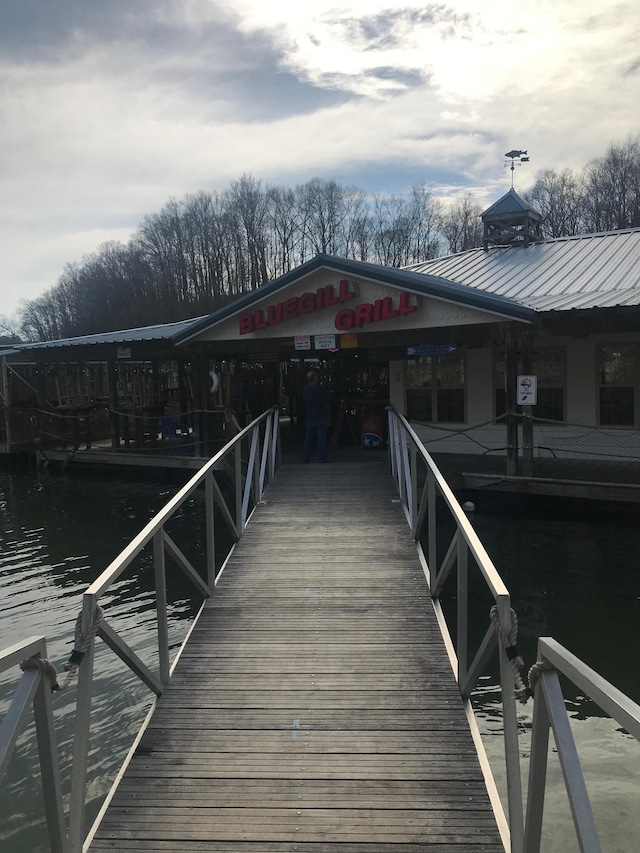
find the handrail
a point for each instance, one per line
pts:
(252, 471)
(34, 690)
(406, 453)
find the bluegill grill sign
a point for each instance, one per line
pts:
(325, 297)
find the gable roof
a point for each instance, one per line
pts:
(507, 204)
(586, 271)
(427, 284)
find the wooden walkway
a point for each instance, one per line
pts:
(314, 708)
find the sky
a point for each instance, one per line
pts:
(108, 108)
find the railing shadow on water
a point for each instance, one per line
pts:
(248, 463)
(426, 498)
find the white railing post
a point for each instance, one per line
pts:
(160, 571)
(49, 767)
(537, 773)
(82, 733)
(238, 486)
(413, 478)
(462, 604)
(510, 721)
(431, 523)
(210, 530)
(391, 429)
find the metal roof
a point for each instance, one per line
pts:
(425, 284)
(166, 331)
(587, 271)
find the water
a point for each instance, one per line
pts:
(57, 533)
(574, 578)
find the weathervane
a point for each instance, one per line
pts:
(517, 159)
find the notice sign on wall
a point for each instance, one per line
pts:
(527, 390)
(325, 341)
(349, 341)
(303, 342)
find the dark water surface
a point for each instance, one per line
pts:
(571, 577)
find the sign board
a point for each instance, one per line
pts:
(527, 390)
(349, 341)
(303, 342)
(325, 341)
(123, 352)
(432, 349)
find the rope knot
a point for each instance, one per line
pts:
(534, 672)
(81, 645)
(47, 669)
(508, 640)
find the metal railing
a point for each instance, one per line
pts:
(420, 485)
(33, 691)
(250, 459)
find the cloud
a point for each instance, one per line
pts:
(109, 108)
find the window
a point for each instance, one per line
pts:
(549, 367)
(435, 388)
(618, 380)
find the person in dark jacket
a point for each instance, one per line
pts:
(316, 403)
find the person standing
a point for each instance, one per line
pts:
(316, 404)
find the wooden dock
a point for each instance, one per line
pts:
(314, 708)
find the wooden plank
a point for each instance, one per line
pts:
(314, 707)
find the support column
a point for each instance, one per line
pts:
(527, 411)
(112, 374)
(511, 374)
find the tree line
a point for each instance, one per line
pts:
(199, 252)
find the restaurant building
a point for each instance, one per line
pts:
(525, 348)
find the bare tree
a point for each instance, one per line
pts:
(612, 188)
(462, 225)
(558, 197)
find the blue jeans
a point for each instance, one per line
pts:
(317, 430)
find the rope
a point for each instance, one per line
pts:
(45, 666)
(80, 646)
(522, 692)
(538, 667)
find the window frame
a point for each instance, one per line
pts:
(633, 385)
(434, 388)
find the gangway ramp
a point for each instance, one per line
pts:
(314, 707)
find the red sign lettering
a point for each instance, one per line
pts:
(325, 297)
(365, 313)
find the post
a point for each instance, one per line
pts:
(112, 379)
(82, 732)
(462, 645)
(159, 565)
(431, 524)
(49, 766)
(7, 402)
(210, 527)
(510, 722)
(413, 477)
(511, 376)
(527, 421)
(237, 453)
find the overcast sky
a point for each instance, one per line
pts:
(110, 107)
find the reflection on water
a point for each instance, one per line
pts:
(57, 533)
(576, 579)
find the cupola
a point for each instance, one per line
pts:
(510, 221)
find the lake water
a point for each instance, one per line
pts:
(571, 577)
